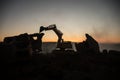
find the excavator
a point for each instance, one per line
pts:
(61, 44)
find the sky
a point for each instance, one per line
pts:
(99, 18)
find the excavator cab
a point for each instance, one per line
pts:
(66, 46)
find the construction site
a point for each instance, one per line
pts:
(24, 59)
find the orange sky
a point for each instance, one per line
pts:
(53, 38)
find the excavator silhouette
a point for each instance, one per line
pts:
(61, 44)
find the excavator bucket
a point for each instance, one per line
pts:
(41, 29)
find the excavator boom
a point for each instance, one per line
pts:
(54, 28)
(61, 45)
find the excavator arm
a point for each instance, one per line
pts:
(54, 28)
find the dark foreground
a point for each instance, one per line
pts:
(21, 60)
(63, 66)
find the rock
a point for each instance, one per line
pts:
(90, 45)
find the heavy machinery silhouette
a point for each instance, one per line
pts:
(61, 44)
(22, 45)
(89, 45)
(25, 44)
(58, 33)
(29, 44)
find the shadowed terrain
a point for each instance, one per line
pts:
(22, 59)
